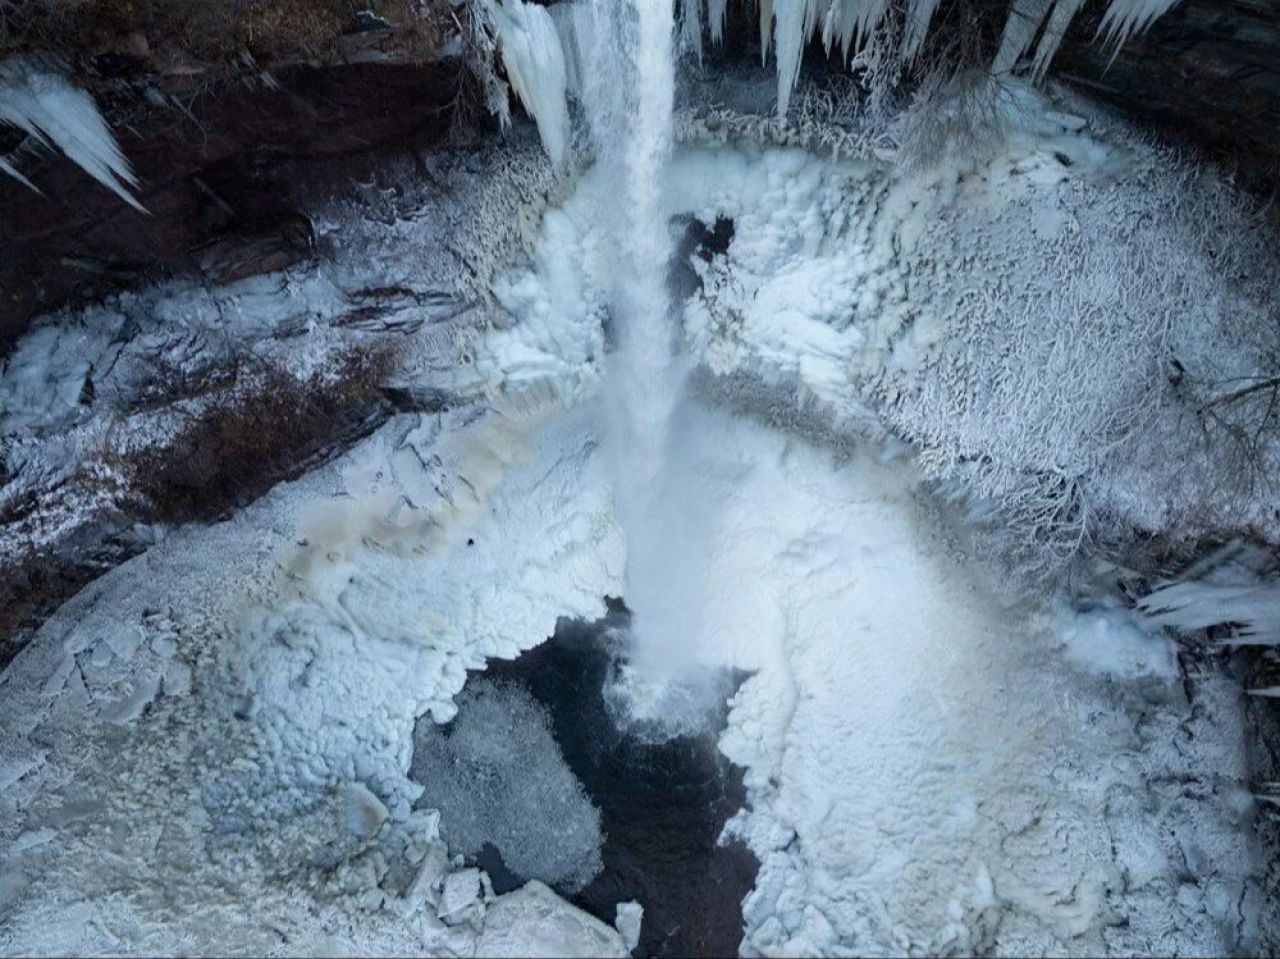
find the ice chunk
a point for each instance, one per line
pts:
(461, 899)
(497, 776)
(628, 920)
(362, 812)
(533, 922)
(1114, 642)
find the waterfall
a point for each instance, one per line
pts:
(629, 96)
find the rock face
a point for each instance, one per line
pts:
(1207, 72)
(223, 183)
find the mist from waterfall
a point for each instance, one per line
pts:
(629, 97)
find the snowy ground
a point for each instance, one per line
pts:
(240, 701)
(927, 770)
(208, 749)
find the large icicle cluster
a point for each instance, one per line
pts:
(541, 50)
(535, 62)
(49, 108)
(850, 23)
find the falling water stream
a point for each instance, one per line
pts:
(630, 107)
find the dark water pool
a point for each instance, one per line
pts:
(663, 804)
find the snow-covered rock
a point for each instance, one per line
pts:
(534, 922)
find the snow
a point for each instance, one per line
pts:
(921, 777)
(53, 111)
(1116, 642)
(209, 749)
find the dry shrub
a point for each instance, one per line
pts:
(259, 435)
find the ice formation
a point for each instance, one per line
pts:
(497, 777)
(535, 63)
(931, 766)
(845, 282)
(849, 24)
(257, 672)
(1235, 588)
(921, 775)
(50, 109)
(903, 816)
(787, 27)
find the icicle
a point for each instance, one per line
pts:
(1127, 18)
(535, 63)
(691, 27)
(13, 171)
(813, 12)
(838, 26)
(851, 23)
(766, 29)
(919, 16)
(1025, 17)
(1197, 605)
(48, 107)
(1064, 12)
(788, 39)
(848, 23)
(717, 11)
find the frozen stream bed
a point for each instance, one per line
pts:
(225, 745)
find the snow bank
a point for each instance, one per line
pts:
(923, 775)
(969, 307)
(233, 693)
